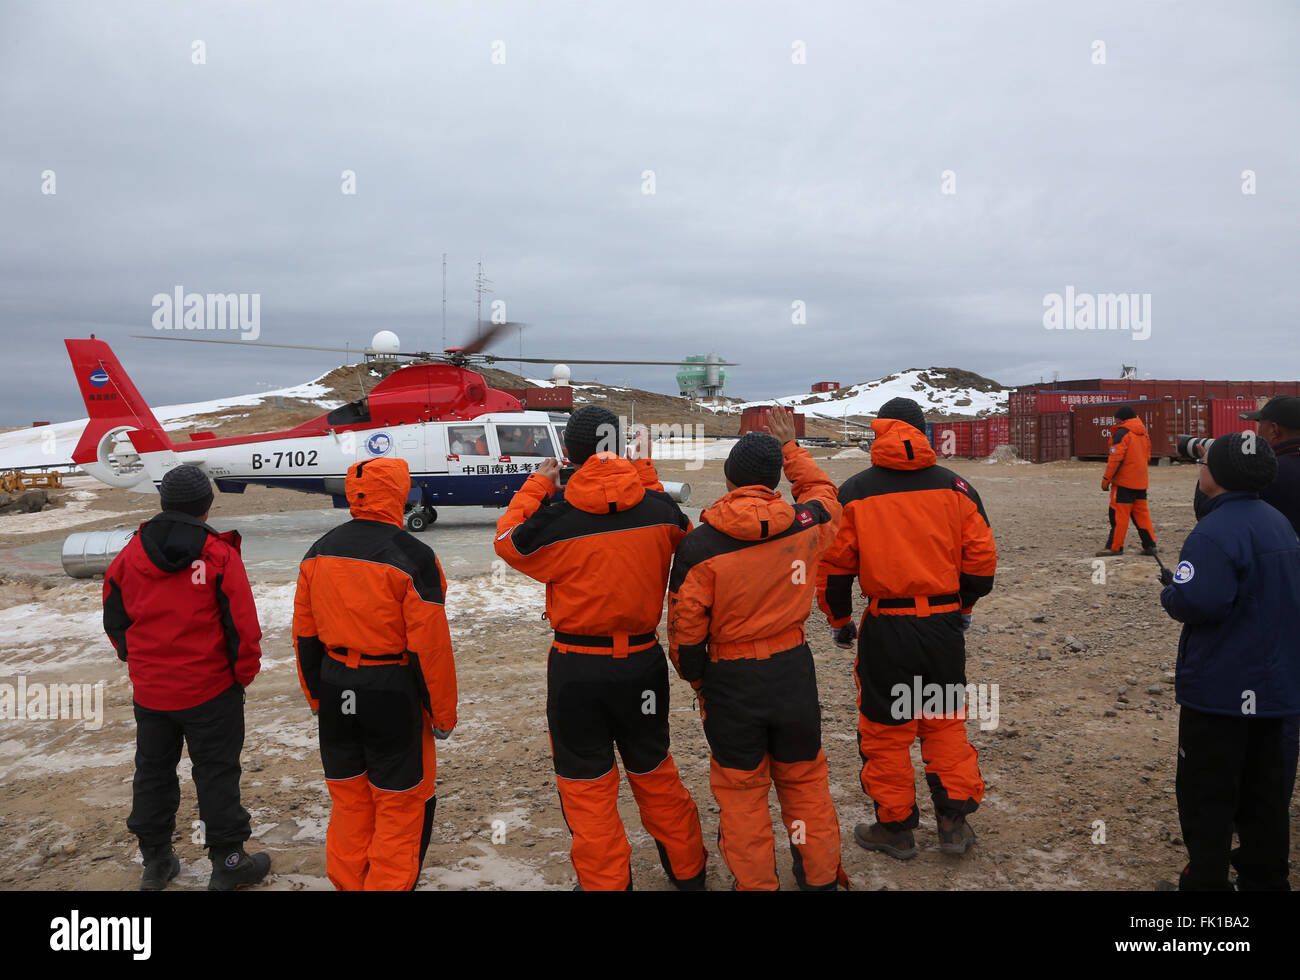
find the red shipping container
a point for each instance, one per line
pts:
(561, 396)
(1225, 415)
(952, 438)
(999, 431)
(1208, 389)
(752, 420)
(979, 438)
(1286, 388)
(1165, 421)
(1055, 437)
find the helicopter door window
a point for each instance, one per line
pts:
(467, 440)
(525, 440)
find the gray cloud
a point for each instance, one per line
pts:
(775, 182)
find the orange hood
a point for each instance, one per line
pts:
(1134, 425)
(377, 489)
(750, 514)
(605, 484)
(899, 446)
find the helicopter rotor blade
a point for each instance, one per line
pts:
(495, 330)
(257, 343)
(567, 360)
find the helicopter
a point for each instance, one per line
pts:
(467, 444)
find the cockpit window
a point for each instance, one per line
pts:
(352, 413)
(525, 440)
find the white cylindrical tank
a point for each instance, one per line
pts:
(89, 553)
(680, 492)
(561, 375)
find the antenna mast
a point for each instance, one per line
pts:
(482, 285)
(444, 300)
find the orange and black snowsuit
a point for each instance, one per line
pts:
(1126, 472)
(375, 660)
(741, 588)
(916, 537)
(603, 548)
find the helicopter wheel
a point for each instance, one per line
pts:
(418, 520)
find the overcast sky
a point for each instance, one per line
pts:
(520, 133)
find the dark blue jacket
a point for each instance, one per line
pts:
(1236, 590)
(1283, 493)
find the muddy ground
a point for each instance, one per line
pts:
(1080, 777)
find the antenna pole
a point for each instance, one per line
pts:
(444, 300)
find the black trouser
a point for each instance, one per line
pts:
(596, 701)
(754, 708)
(371, 722)
(214, 733)
(906, 651)
(1231, 769)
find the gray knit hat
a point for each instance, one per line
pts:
(1233, 468)
(755, 460)
(590, 430)
(904, 410)
(186, 489)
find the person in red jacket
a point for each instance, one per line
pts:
(179, 611)
(1126, 479)
(741, 587)
(375, 663)
(603, 546)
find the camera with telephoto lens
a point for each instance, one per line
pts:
(1194, 447)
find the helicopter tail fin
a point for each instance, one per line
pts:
(114, 405)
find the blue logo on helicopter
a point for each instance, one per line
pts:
(99, 378)
(379, 444)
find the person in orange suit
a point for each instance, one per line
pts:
(375, 662)
(603, 545)
(916, 537)
(1127, 480)
(738, 597)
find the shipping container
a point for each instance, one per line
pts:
(999, 431)
(952, 439)
(979, 438)
(1042, 438)
(752, 419)
(1225, 415)
(1165, 421)
(823, 386)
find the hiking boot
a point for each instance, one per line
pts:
(1107, 553)
(232, 868)
(161, 865)
(1149, 549)
(898, 844)
(955, 835)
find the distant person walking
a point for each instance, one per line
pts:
(1127, 480)
(179, 611)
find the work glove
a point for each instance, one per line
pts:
(439, 734)
(1166, 577)
(966, 621)
(844, 637)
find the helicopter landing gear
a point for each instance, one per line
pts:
(420, 519)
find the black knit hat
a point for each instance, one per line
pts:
(905, 410)
(1235, 468)
(186, 489)
(755, 460)
(1124, 413)
(590, 430)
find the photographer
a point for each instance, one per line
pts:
(1238, 671)
(1279, 426)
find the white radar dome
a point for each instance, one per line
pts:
(385, 342)
(561, 374)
